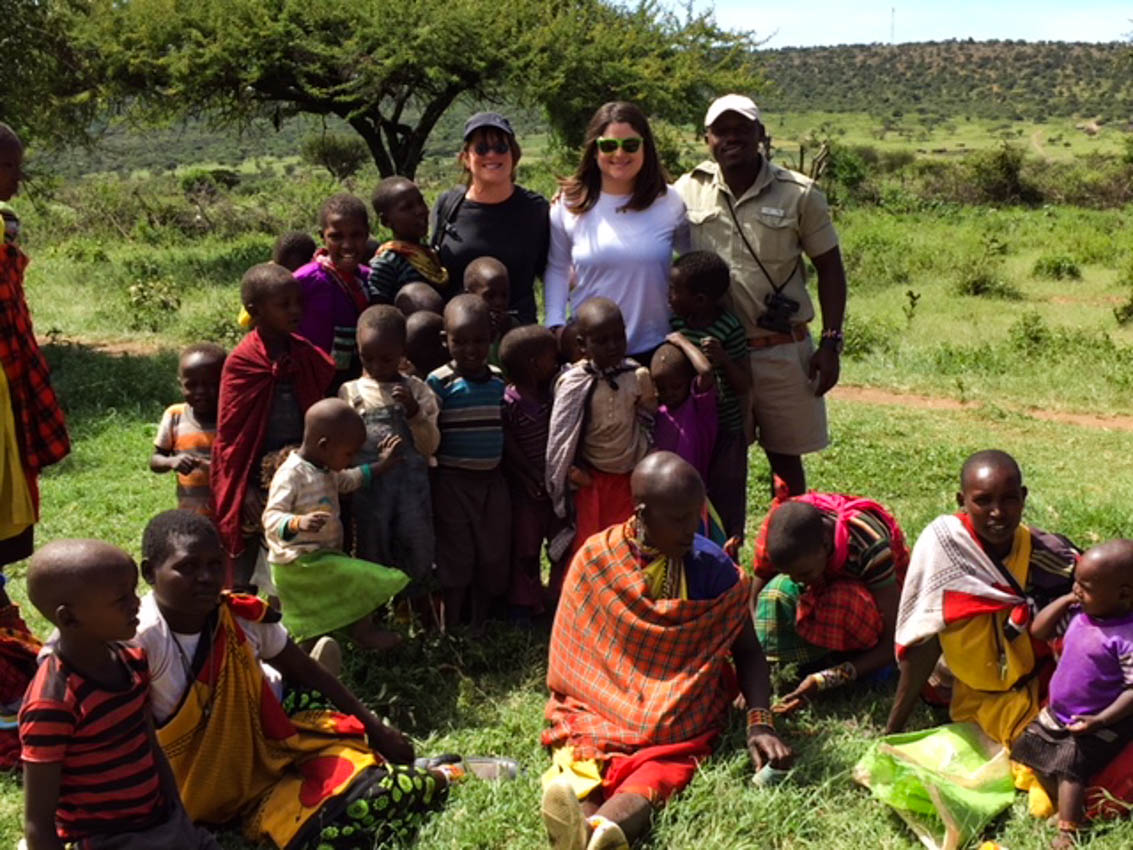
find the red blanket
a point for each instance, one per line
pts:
(247, 386)
(626, 671)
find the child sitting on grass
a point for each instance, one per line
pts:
(1089, 718)
(393, 517)
(697, 283)
(487, 278)
(601, 426)
(293, 249)
(321, 588)
(471, 505)
(530, 360)
(686, 392)
(335, 285)
(187, 430)
(424, 343)
(416, 297)
(93, 772)
(407, 257)
(267, 383)
(261, 742)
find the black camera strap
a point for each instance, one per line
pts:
(755, 256)
(445, 218)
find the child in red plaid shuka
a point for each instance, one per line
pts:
(828, 575)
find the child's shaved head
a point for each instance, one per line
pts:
(989, 459)
(424, 342)
(669, 360)
(262, 279)
(9, 139)
(202, 352)
(64, 572)
(596, 311)
(332, 418)
(794, 530)
(415, 297)
(387, 191)
(381, 320)
(481, 272)
(521, 346)
(465, 310)
(293, 249)
(1103, 579)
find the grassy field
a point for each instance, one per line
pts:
(120, 279)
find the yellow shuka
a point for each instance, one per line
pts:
(234, 752)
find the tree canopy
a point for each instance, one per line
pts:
(391, 68)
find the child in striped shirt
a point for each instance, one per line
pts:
(698, 282)
(471, 505)
(93, 772)
(187, 430)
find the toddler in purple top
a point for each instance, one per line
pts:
(1090, 715)
(686, 420)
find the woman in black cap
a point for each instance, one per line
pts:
(493, 216)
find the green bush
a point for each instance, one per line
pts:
(154, 303)
(1056, 267)
(982, 282)
(996, 176)
(342, 155)
(1029, 334)
(862, 338)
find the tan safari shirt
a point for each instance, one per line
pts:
(783, 214)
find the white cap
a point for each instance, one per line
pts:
(742, 104)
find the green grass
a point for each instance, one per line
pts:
(488, 696)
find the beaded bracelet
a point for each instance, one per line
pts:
(760, 717)
(835, 677)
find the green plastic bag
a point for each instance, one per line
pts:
(946, 783)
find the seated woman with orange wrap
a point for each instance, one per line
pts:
(639, 673)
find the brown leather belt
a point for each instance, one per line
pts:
(798, 334)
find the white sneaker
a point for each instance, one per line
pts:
(608, 835)
(328, 654)
(566, 827)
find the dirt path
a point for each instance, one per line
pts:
(133, 347)
(877, 396)
(1037, 144)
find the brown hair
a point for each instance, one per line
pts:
(581, 190)
(491, 135)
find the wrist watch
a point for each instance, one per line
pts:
(834, 338)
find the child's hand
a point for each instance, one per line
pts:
(313, 521)
(186, 463)
(1085, 723)
(392, 744)
(403, 396)
(714, 350)
(387, 453)
(579, 477)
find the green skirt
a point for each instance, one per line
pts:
(327, 590)
(775, 614)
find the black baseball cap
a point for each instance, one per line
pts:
(487, 119)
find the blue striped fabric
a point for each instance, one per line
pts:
(470, 420)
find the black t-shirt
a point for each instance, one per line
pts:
(516, 232)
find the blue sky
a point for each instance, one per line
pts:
(814, 22)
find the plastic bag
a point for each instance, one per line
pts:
(946, 783)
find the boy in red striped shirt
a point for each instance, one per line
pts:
(93, 773)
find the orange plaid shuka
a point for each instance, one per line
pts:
(626, 671)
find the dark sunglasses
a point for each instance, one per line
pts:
(629, 145)
(483, 148)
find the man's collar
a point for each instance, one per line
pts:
(762, 179)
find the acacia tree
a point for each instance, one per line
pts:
(391, 68)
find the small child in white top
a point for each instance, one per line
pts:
(320, 587)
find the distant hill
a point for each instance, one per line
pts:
(1009, 80)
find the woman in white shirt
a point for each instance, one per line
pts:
(614, 228)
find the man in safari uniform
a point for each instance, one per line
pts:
(761, 218)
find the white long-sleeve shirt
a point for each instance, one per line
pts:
(299, 487)
(624, 256)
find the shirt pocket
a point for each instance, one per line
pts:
(775, 237)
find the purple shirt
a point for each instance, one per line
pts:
(325, 305)
(1095, 667)
(690, 430)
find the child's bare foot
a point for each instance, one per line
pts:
(367, 635)
(1067, 839)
